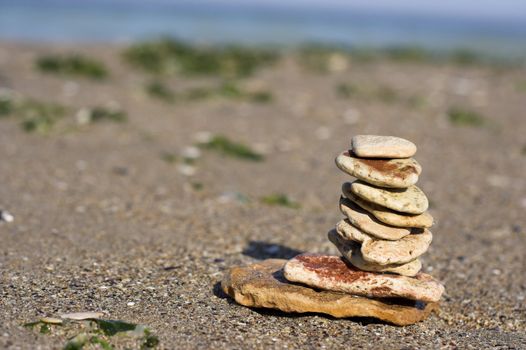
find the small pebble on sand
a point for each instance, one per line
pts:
(6, 216)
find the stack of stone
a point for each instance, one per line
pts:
(386, 226)
(381, 239)
(387, 218)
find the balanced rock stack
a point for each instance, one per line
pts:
(387, 223)
(381, 239)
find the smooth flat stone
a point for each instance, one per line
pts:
(262, 285)
(373, 146)
(351, 251)
(332, 273)
(396, 173)
(79, 316)
(51, 320)
(384, 252)
(411, 200)
(350, 232)
(366, 222)
(388, 216)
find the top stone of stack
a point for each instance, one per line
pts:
(372, 146)
(383, 161)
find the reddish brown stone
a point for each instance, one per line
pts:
(313, 270)
(395, 173)
(327, 266)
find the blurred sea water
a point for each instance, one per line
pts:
(124, 21)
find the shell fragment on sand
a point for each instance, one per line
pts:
(328, 272)
(385, 252)
(351, 251)
(395, 173)
(386, 215)
(372, 146)
(79, 316)
(51, 320)
(263, 285)
(367, 223)
(411, 200)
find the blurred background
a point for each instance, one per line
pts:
(493, 28)
(153, 144)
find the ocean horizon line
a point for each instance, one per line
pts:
(118, 22)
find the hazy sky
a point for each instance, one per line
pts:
(492, 9)
(470, 8)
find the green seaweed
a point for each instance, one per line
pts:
(407, 54)
(150, 340)
(169, 56)
(463, 117)
(347, 90)
(417, 102)
(34, 116)
(161, 91)
(519, 87)
(382, 93)
(105, 345)
(280, 199)
(6, 106)
(100, 333)
(199, 93)
(228, 90)
(77, 342)
(172, 158)
(97, 114)
(44, 329)
(169, 157)
(317, 57)
(41, 117)
(197, 186)
(74, 64)
(465, 57)
(386, 94)
(31, 325)
(225, 146)
(38, 117)
(261, 97)
(112, 327)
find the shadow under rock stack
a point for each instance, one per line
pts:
(384, 233)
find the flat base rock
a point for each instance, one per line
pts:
(262, 285)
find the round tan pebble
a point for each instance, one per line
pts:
(367, 223)
(351, 251)
(393, 173)
(373, 146)
(388, 216)
(384, 252)
(347, 231)
(411, 200)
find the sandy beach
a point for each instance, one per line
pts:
(129, 218)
